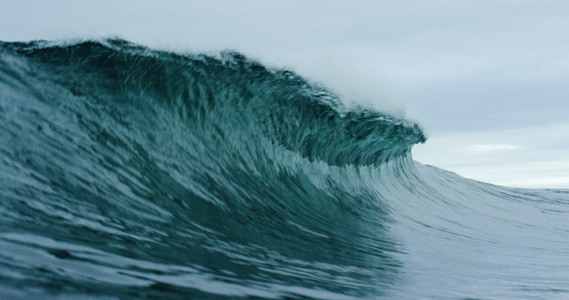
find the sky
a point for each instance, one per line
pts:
(487, 80)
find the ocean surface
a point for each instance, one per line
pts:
(127, 173)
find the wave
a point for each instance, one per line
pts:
(277, 104)
(135, 173)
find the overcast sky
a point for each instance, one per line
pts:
(488, 80)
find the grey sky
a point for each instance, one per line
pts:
(487, 79)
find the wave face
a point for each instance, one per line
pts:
(134, 173)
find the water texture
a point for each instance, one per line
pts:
(127, 172)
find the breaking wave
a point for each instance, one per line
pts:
(134, 173)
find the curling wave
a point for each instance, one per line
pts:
(134, 173)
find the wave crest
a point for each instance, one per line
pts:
(230, 93)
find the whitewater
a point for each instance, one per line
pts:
(128, 172)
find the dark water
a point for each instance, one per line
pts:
(133, 173)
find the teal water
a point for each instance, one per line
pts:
(128, 172)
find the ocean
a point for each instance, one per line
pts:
(128, 173)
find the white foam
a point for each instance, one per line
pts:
(356, 81)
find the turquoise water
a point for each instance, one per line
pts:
(134, 173)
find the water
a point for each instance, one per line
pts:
(133, 173)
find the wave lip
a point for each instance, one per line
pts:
(358, 138)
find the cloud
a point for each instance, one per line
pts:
(491, 147)
(524, 157)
